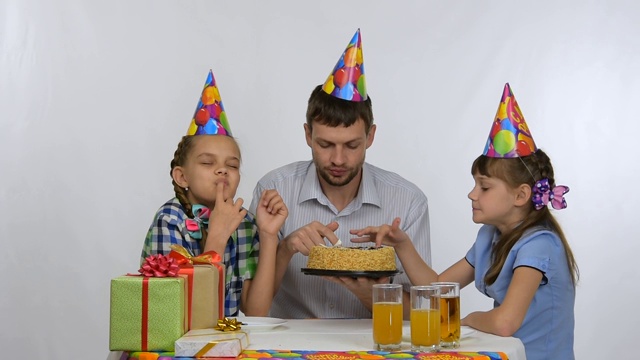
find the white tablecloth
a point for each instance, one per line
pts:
(345, 335)
(355, 334)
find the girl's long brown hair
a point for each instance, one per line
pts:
(515, 172)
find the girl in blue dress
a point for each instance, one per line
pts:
(521, 257)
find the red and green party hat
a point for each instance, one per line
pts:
(347, 80)
(510, 136)
(209, 117)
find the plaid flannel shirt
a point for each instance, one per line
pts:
(240, 255)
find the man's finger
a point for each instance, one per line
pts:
(327, 231)
(333, 226)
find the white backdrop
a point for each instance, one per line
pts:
(94, 97)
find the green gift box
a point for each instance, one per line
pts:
(147, 313)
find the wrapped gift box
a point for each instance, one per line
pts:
(205, 294)
(206, 285)
(211, 343)
(147, 313)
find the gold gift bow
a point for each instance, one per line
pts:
(182, 255)
(226, 324)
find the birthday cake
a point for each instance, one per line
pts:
(352, 258)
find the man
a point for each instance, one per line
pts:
(335, 193)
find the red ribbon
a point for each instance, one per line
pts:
(221, 283)
(189, 272)
(154, 266)
(145, 312)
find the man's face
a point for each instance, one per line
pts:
(339, 152)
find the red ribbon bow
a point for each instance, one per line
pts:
(159, 266)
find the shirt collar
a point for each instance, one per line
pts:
(367, 194)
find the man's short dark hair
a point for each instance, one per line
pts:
(332, 111)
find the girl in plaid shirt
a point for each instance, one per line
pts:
(204, 216)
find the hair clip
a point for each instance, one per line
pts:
(544, 194)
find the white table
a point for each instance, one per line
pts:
(355, 334)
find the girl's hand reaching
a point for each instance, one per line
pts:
(271, 212)
(417, 270)
(258, 292)
(385, 234)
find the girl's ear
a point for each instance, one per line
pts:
(178, 176)
(523, 195)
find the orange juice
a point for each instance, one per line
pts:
(387, 323)
(425, 327)
(450, 321)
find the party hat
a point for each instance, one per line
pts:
(210, 117)
(510, 136)
(347, 80)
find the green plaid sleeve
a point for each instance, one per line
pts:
(248, 248)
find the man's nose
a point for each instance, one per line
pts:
(338, 157)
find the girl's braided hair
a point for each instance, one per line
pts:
(179, 159)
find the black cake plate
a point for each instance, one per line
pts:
(353, 274)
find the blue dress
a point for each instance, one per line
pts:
(547, 329)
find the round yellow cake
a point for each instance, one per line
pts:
(352, 258)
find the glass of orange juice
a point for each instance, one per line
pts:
(450, 314)
(387, 316)
(425, 318)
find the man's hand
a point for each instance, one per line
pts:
(308, 236)
(361, 287)
(271, 212)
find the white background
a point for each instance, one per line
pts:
(95, 95)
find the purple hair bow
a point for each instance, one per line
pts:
(201, 219)
(543, 194)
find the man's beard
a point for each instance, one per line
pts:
(343, 180)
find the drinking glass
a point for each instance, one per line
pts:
(425, 318)
(387, 316)
(449, 314)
